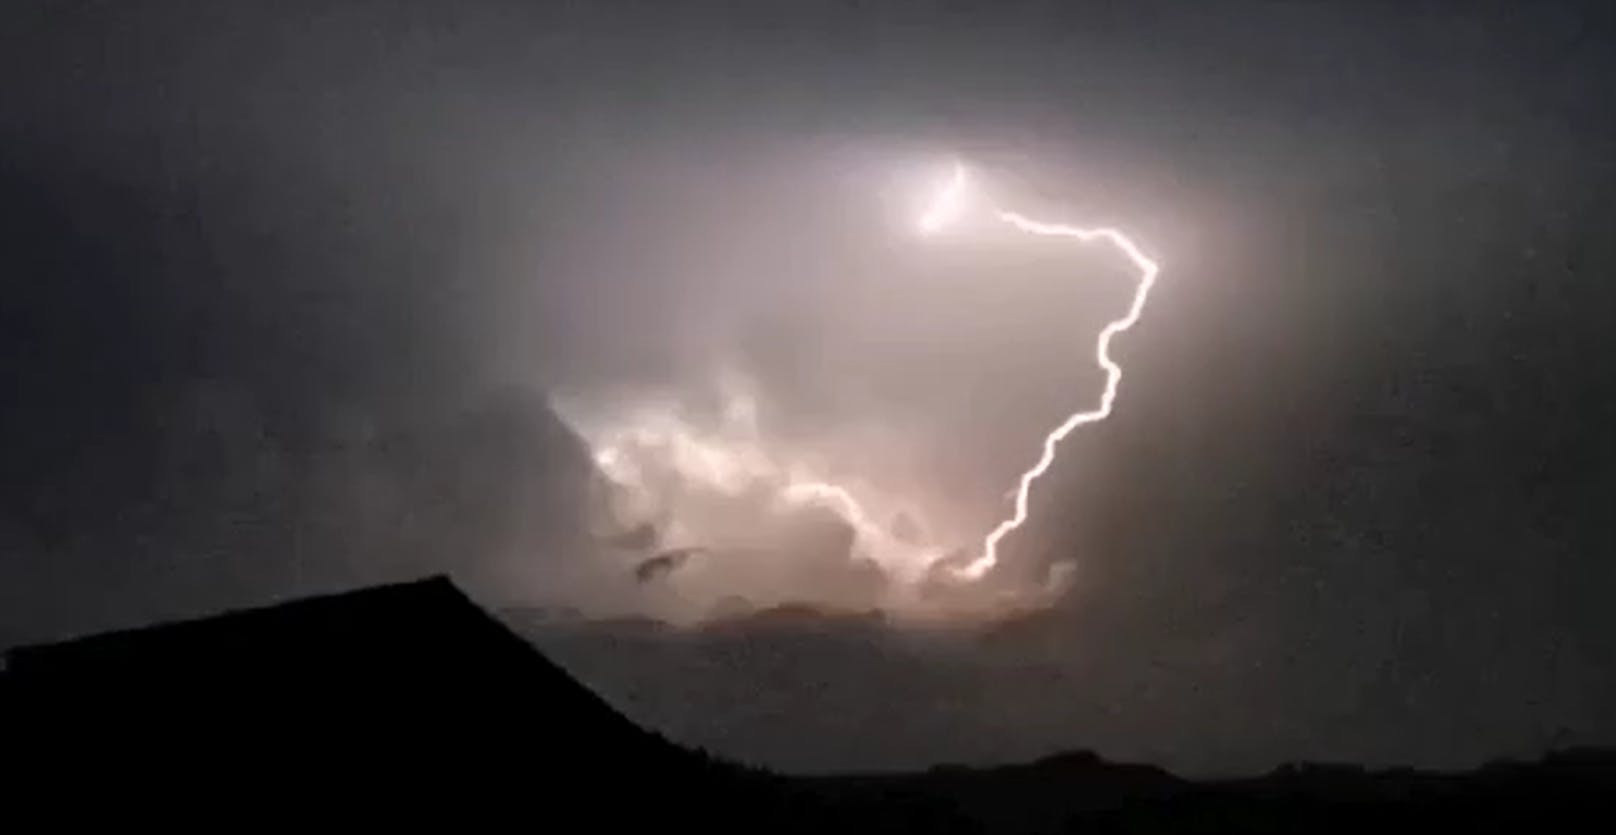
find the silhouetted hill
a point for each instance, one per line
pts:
(405, 688)
(409, 703)
(1567, 791)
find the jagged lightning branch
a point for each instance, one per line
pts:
(948, 205)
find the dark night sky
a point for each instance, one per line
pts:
(284, 290)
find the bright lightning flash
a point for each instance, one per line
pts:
(948, 205)
(732, 462)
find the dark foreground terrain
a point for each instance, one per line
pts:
(409, 704)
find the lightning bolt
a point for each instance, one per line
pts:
(1148, 270)
(948, 205)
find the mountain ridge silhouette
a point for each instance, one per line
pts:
(409, 702)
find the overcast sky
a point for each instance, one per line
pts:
(287, 294)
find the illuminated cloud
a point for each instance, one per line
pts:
(724, 487)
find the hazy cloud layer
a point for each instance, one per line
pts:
(287, 295)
